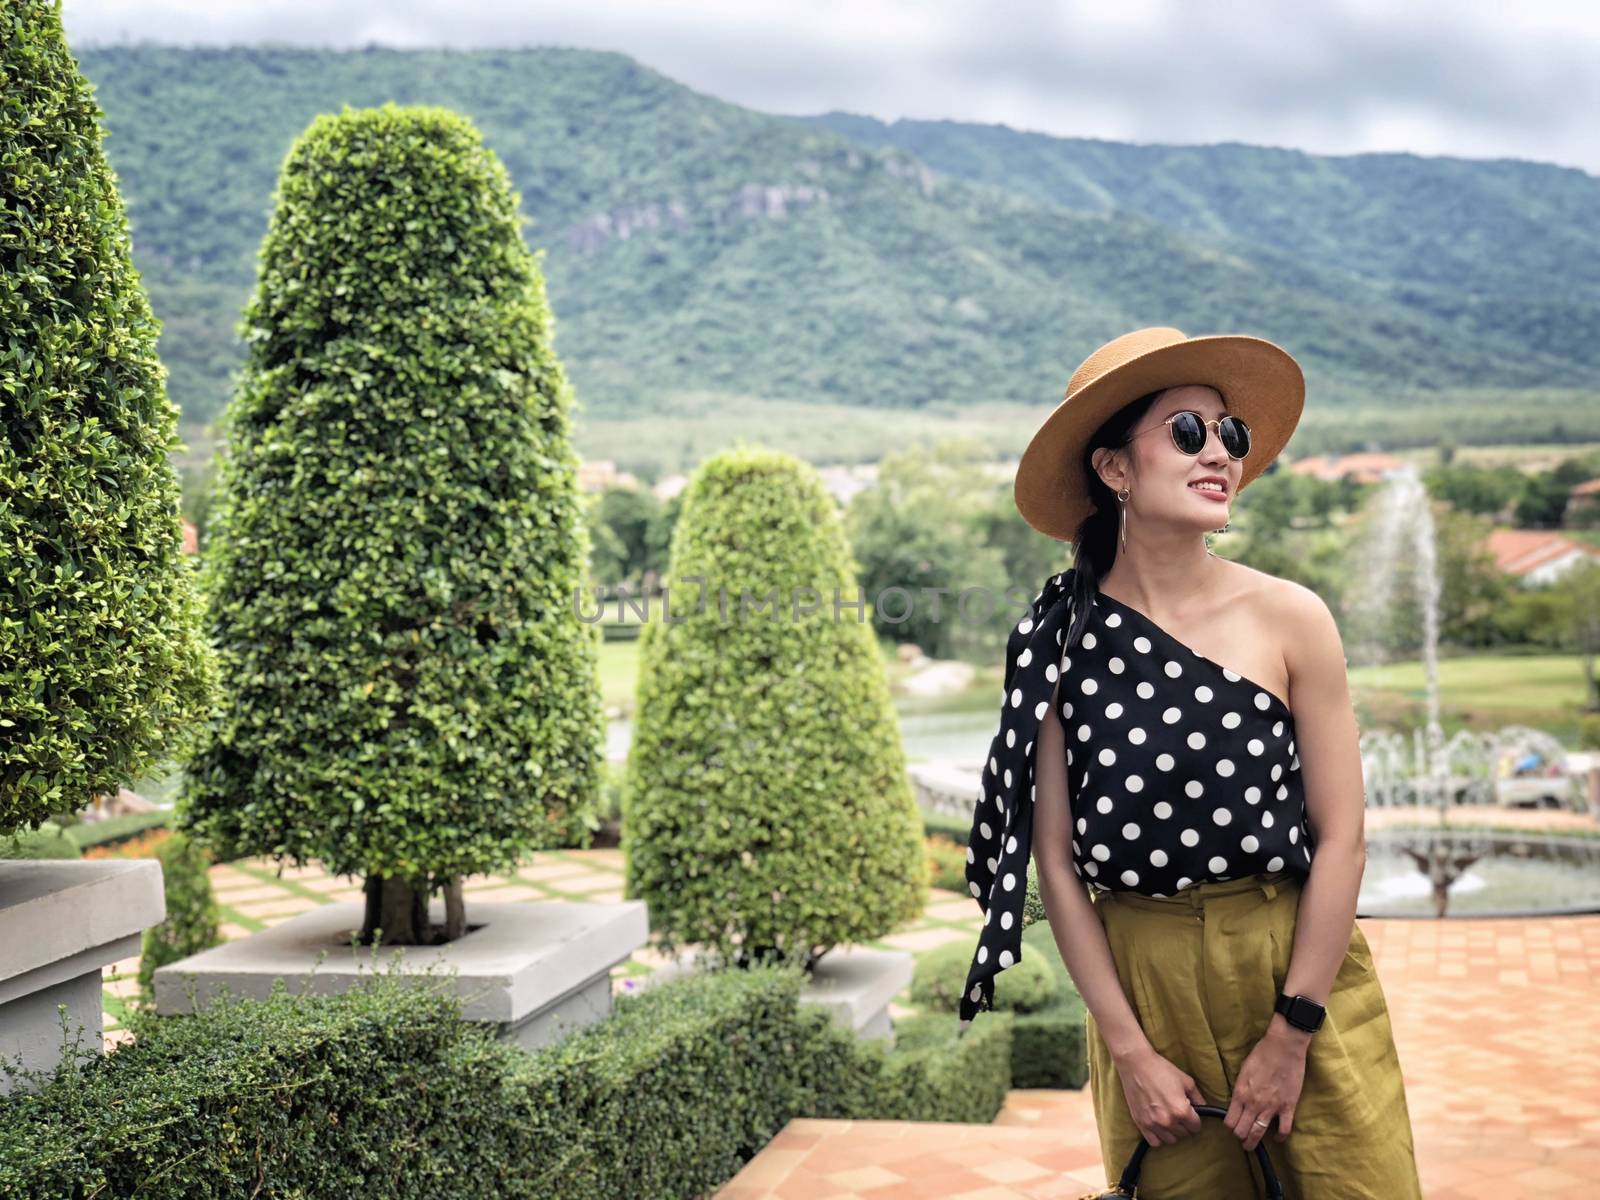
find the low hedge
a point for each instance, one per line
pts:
(386, 1091)
(117, 829)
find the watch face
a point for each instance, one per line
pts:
(1305, 1012)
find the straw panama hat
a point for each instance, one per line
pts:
(1260, 383)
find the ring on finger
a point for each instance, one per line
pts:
(1259, 1121)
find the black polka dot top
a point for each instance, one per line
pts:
(1179, 770)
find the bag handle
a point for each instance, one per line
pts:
(1128, 1184)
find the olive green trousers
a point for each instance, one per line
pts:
(1202, 970)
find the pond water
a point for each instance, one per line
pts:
(1513, 875)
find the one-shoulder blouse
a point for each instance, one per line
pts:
(1179, 770)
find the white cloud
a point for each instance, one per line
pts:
(1475, 78)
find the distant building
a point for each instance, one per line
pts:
(191, 536)
(1366, 467)
(1538, 556)
(669, 486)
(601, 474)
(1583, 506)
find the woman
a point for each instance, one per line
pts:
(1197, 794)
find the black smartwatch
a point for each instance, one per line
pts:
(1302, 1012)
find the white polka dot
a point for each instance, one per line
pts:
(1010, 881)
(1283, 791)
(1100, 851)
(1217, 865)
(1083, 733)
(1221, 816)
(1142, 644)
(1249, 844)
(1025, 657)
(1113, 710)
(1262, 701)
(1005, 920)
(1134, 783)
(974, 889)
(1194, 788)
(1089, 686)
(1016, 697)
(1252, 795)
(1092, 868)
(977, 990)
(1165, 761)
(1172, 715)
(1136, 736)
(1294, 834)
(1131, 878)
(1083, 825)
(1255, 745)
(1277, 771)
(1113, 620)
(1011, 844)
(1026, 626)
(1183, 882)
(1230, 720)
(1274, 863)
(1011, 737)
(1189, 837)
(1145, 690)
(1130, 831)
(1103, 804)
(1266, 819)
(1116, 664)
(983, 828)
(1107, 756)
(1040, 709)
(1158, 858)
(1005, 959)
(1224, 767)
(1202, 693)
(1008, 776)
(983, 953)
(1196, 740)
(1172, 669)
(1162, 809)
(1051, 673)
(1089, 641)
(971, 857)
(1277, 729)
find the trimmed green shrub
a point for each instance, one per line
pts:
(939, 974)
(767, 810)
(103, 668)
(395, 544)
(386, 1091)
(193, 921)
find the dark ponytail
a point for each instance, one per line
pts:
(1095, 542)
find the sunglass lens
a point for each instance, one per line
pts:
(1235, 436)
(1188, 432)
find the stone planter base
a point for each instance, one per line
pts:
(61, 923)
(535, 971)
(857, 984)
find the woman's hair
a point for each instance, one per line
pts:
(1095, 542)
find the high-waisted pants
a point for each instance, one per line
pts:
(1202, 970)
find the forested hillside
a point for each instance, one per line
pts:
(696, 247)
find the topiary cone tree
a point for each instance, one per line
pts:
(396, 543)
(103, 662)
(767, 813)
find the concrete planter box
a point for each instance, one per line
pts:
(856, 984)
(61, 923)
(536, 971)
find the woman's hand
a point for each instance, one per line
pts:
(1269, 1084)
(1161, 1096)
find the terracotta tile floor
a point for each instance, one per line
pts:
(1499, 1041)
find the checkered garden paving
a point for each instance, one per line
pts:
(1494, 1021)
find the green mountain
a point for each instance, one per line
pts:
(705, 254)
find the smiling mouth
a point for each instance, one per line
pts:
(1211, 492)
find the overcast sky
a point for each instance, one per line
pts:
(1473, 78)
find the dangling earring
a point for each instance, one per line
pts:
(1122, 512)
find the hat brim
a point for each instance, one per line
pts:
(1260, 383)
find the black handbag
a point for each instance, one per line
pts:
(1128, 1185)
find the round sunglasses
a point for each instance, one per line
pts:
(1189, 431)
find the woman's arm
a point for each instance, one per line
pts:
(1077, 929)
(1328, 745)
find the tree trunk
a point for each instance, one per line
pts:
(455, 910)
(399, 908)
